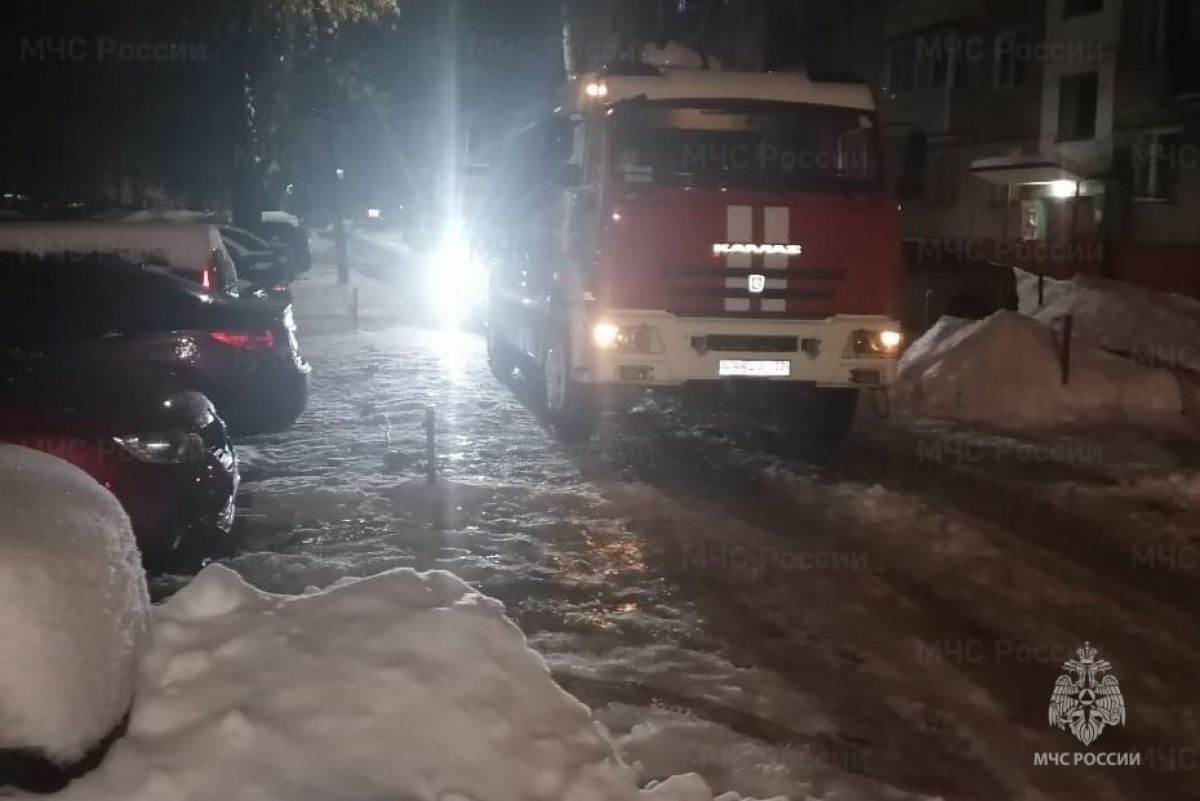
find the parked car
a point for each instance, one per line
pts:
(165, 455)
(263, 266)
(287, 230)
(60, 312)
(193, 252)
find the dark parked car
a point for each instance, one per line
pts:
(166, 456)
(277, 227)
(263, 266)
(58, 313)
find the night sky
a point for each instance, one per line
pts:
(139, 103)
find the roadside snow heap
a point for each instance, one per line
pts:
(1005, 372)
(404, 685)
(1153, 328)
(74, 616)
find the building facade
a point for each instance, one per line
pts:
(1057, 135)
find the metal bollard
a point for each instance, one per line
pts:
(1064, 347)
(354, 308)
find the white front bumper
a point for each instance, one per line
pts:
(680, 350)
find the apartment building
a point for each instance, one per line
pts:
(1056, 134)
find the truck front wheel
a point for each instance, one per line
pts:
(571, 406)
(502, 357)
(823, 416)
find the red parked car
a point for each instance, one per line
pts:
(166, 456)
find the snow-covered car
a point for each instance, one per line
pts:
(120, 318)
(194, 252)
(165, 455)
(74, 620)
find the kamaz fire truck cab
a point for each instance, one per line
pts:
(671, 226)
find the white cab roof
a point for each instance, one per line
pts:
(689, 84)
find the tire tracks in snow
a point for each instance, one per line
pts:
(717, 482)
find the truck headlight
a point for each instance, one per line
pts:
(605, 335)
(876, 343)
(629, 338)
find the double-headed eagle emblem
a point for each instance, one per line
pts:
(1084, 700)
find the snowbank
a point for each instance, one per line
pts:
(1004, 371)
(1027, 291)
(74, 612)
(1154, 328)
(402, 685)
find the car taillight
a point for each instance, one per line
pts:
(249, 340)
(206, 276)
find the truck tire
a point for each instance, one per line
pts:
(571, 407)
(823, 417)
(502, 357)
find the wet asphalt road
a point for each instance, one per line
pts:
(896, 611)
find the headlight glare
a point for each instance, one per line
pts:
(629, 338)
(870, 343)
(605, 335)
(890, 339)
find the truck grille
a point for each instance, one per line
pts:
(740, 343)
(721, 291)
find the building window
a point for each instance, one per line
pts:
(920, 63)
(1078, 96)
(1009, 66)
(1156, 159)
(1079, 8)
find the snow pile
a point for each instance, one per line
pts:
(1004, 371)
(74, 612)
(1178, 488)
(1027, 291)
(402, 685)
(1153, 328)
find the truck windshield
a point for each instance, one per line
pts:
(745, 145)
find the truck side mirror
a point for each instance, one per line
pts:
(569, 175)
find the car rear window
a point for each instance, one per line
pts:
(46, 299)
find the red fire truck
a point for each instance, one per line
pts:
(672, 227)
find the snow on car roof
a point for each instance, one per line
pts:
(173, 215)
(186, 245)
(277, 216)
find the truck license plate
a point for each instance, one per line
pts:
(755, 368)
